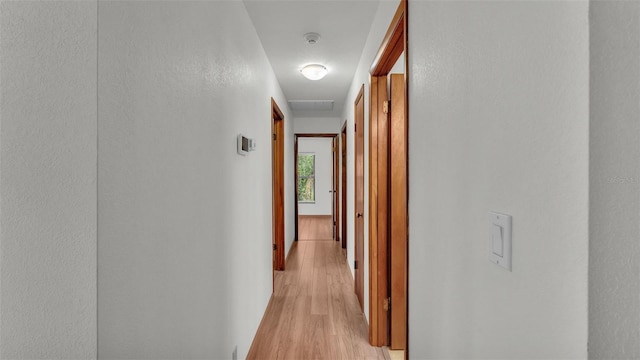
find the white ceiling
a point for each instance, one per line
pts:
(343, 26)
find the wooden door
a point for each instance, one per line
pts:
(336, 188)
(295, 187)
(398, 224)
(359, 196)
(379, 212)
(277, 151)
(343, 160)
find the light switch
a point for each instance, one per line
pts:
(497, 240)
(500, 240)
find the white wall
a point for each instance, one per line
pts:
(321, 147)
(181, 275)
(498, 122)
(318, 125)
(386, 10)
(513, 112)
(48, 180)
(614, 263)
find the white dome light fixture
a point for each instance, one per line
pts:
(314, 71)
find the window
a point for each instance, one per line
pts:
(306, 177)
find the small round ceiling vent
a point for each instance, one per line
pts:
(311, 38)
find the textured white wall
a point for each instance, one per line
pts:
(317, 125)
(185, 222)
(48, 180)
(498, 122)
(379, 26)
(614, 253)
(321, 147)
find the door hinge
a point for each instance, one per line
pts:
(355, 127)
(385, 107)
(355, 264)
(274, 137)
(387, 304)
(275, 247)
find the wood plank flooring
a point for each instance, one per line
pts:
(314, 312)
(315, 227)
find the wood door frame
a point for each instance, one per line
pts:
(378, 213)
(296, 235)
(398, 213)
(357, 266)
(295, 162)
(393, 45)
(336, 187)
(343, 182)
(277, 171)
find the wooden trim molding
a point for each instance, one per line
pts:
(387, 190)
(336, 187)
(373, 209)
(398, 231)
(296, 230)
(343, 184)
(393, 44)
(277, 153)
(358, 194)
(295, 171)
(378, 211)
(275, 109)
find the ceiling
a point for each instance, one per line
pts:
(343, 26)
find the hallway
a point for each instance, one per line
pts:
(135, 225)
(314, 313)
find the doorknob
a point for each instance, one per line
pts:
(359, 215)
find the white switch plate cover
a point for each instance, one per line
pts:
(500, 231)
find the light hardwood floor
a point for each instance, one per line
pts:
(314, 312)
(315, 227)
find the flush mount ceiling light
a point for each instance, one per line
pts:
(314, 71)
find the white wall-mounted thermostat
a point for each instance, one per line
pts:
(500, 240)
(245, 145)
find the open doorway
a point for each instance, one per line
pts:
(388, 189)
(343, 182)
(277, 152)
(358, 265)
(315, 186)
(335, 147)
